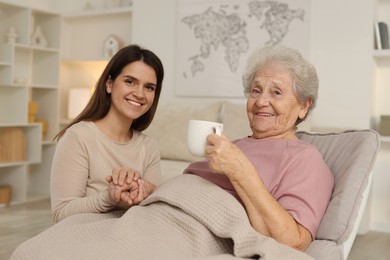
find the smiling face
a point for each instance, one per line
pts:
(272, 106)
(132, 91)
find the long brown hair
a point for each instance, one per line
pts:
(100, 102)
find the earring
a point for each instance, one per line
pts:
(108, 90)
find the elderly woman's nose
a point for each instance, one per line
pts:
(262, 99)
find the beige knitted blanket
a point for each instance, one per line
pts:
(185, 218)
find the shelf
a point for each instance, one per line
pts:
(16, 17)
(50, 24)
(6, 54)
(5, 74)
(47, 99)
(97, 12)
(33, 142)
(13, 164)
(29, 71)
(44, 68)
(385, 139)
(381, 54)
(16, 177)
(9, 113)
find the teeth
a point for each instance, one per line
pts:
(262, 114)
(134, 103)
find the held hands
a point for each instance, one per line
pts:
(127, 187)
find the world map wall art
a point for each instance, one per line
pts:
(215, 38)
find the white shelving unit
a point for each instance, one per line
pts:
(382, 69)
(381, 106)
(83, 61)
(29, 71)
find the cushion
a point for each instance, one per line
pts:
(170, 124)
(350, 155)
(325, 250)
(235, 121)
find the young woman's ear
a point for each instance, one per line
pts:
(109, 86)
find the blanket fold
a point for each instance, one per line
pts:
(185, 218)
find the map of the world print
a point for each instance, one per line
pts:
(215, 38)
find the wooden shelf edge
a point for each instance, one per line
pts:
(98, 12)
(385, 139)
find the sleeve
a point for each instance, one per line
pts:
(306, 188)
(68, 183)
(152, 163)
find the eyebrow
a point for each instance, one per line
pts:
(135, 79)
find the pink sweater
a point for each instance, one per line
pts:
(293, 171)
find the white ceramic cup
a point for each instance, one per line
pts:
(198, 131)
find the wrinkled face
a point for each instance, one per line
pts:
(132, 91)
(272, 106)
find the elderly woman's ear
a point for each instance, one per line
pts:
(305, 108)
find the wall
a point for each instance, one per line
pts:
(340, 49)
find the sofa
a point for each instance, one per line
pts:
(350, 154)
(170, 126)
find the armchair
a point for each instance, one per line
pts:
(351, 156)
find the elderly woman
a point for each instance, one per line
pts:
(283, 182)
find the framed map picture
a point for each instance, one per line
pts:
(215, 38)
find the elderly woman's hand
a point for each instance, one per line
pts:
(224, 157)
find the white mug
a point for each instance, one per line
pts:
(198, 131)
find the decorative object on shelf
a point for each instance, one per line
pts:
(45, 126)
(32, 111)
(12, 144)
(11, 35)
(38, 38)
(384, 125)
(111, 45)
(33, 108)
(20, 81)
(112, 3)
(5, 194)
(77, 100)
(381, 36)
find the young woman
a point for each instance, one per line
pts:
(104, 146)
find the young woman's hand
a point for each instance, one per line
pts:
(127, 187)
(122, 175)
(123, 185)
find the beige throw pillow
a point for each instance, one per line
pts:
(235, 121)
(170, 124)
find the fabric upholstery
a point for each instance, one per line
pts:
(235, 120)
(351, 156)
(170, 125)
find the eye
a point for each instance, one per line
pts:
(277, 92)
(255, 92)
(150, 88)
(130, 82)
